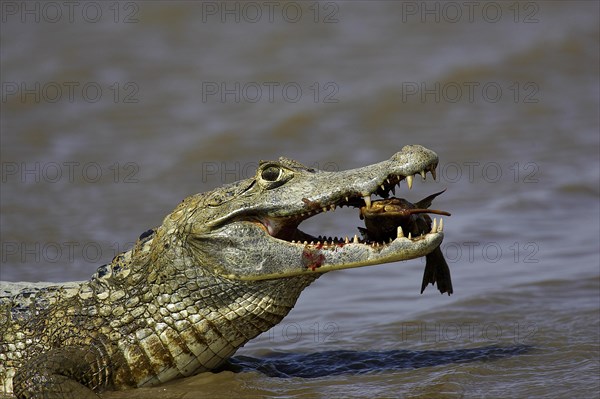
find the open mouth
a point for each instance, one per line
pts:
(386, 218)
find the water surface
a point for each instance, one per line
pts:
(510, 104)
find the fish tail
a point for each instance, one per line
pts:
(437, 272)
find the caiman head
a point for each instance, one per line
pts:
(250, 230)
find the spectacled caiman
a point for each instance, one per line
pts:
(222, 268)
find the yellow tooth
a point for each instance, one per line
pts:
(422, 174)
(409, 181)
(399, 232)
(433, 172)
(367, 199)
(441, 225)
(332, 207)
(409, 236)
(355, 239)
(434, 227)
(346, 240)
(346, 199)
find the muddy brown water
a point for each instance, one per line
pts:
(114, 113)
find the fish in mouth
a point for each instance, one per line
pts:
(388, 218)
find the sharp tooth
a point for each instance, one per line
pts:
(355, 239)
(293, 241)
(382, 187)
(434, 226)
(441, 226)
(305, 242)
(409, 236)
(324, 209)
(318, 242)
(400, 233)
(332, 207)
(346, 240)
(432, 170)
(409, 180)
(312, 243)
(367, 199)
(346, 199)
(388, 181)
(422, 174)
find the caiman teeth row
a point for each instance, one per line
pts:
(367, 198)
(409, 182)
(324, 241)
(434, 226)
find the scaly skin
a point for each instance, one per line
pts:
(222, 268)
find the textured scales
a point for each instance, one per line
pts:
(222, 268)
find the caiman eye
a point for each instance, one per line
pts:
(271, 173)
